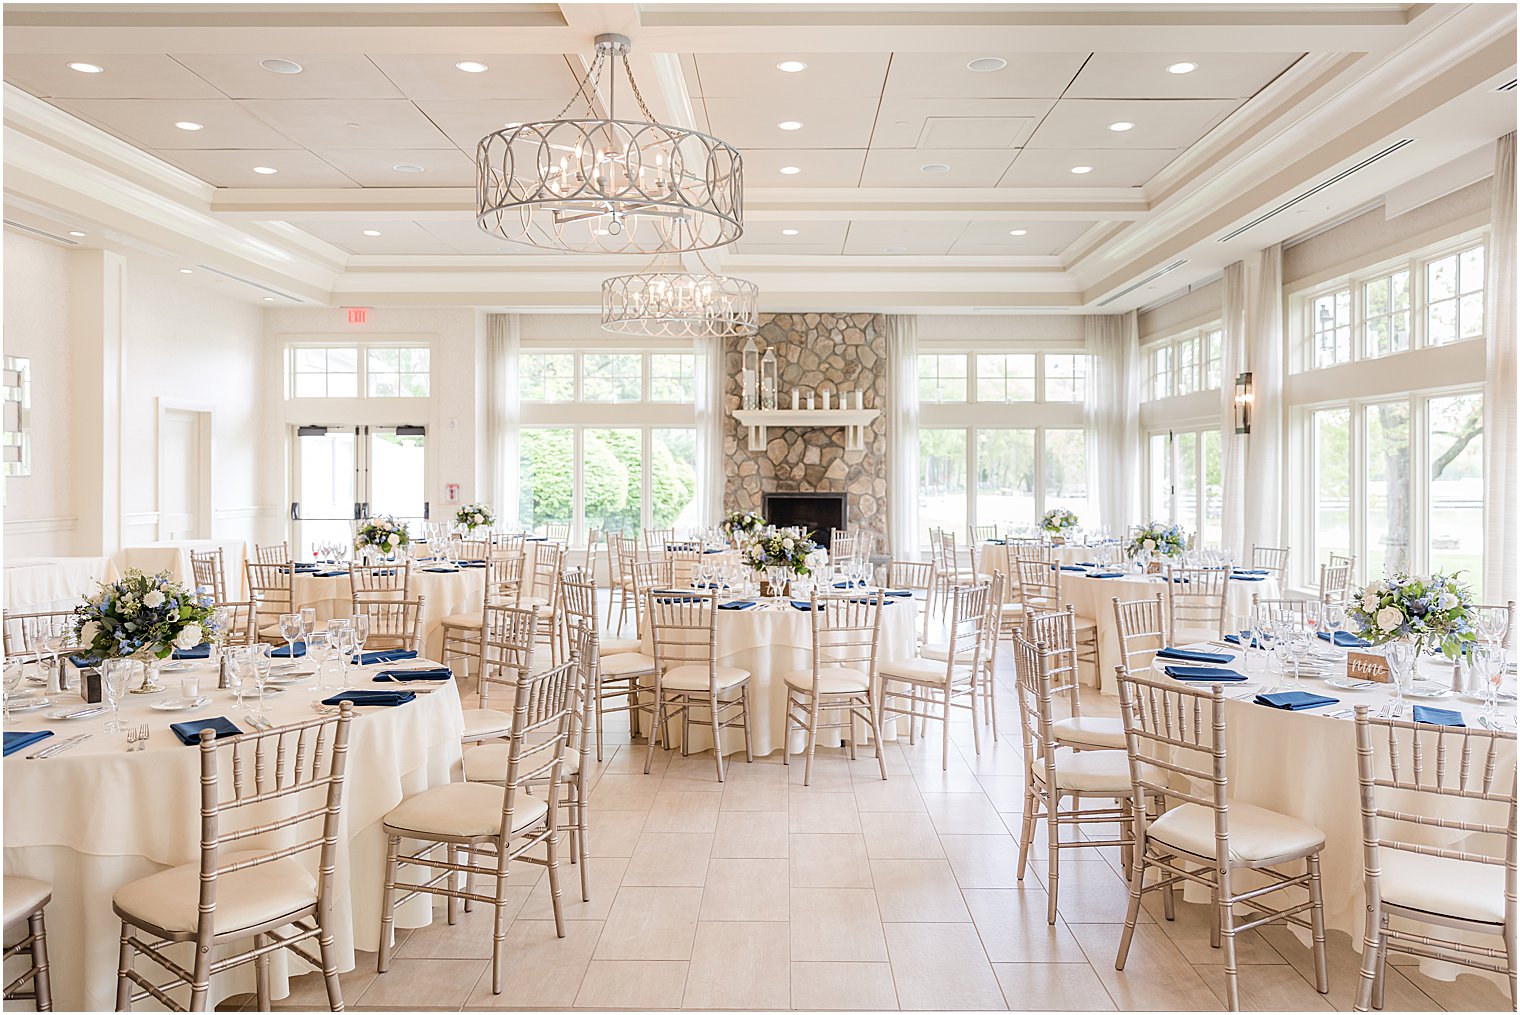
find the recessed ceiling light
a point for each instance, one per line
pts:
(472, 66)
(75, 232)
(1018, 232)
(934, 167)
(1121, 126)
(184, 271)
(790, 125)
(789, 232)
(897, 250)
(1183, 68)
(275, 65)
(371, 232)
(268, 299)
(407, 167)
(1080, 170)
(790, 170)
(987, 64)
(86, 68)
(188, 125)
(791, 66)
(265, 170)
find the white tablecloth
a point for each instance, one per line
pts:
(38, 584)
(1093, 598)
(773, 639)
(443, 594)
(174, 556)
(994, 556)
(95, 817)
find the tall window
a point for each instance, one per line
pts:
(1161, 371)
(1454, 428)
(1184, 484)
(546, 377)
(1454, 296)
(1066, 377)
(942, 378)
(1330, 328)
(942, 479)
(1387, 324)
(1330, 434)
(1005, 377)
(1185, 363)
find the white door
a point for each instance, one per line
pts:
(181, 480)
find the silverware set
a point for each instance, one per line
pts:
(137, 738)
(61, 746)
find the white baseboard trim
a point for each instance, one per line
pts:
(37, 526)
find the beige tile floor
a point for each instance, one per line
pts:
(852, 893)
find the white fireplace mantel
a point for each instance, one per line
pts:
(854, 422)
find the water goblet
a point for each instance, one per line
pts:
(359, 630)
(115, 676)
(1491, 622)
(12, 672)
(260, 662)
(1401, 656)
(290, 630)
(1333, 616)
(308, 620)
(318, 648)
(237, 661)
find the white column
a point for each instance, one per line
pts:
(1500, 423)
(97, 296)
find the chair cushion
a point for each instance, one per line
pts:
(693, 677)
(23, 897)
(468, 620)
(921, 670)
(485, 722)
(1090, 731)
(626, 663)
(488, 762)
(1089, 772)
(528, 602)
(1432, 884)
(1255, 832)
(831, 680)
(618, 646)
(247, 898)
(462, 809)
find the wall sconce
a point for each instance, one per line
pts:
(1245, 398)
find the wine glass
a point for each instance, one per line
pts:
(308, 620)
(1334, 617)
(1490, 622)
(12, 671)
(237, 661)
(115, 675)
(260, 662)
(1265, 629)
(359, 630)
(1401, 660)
(55, 636)
(318, 647)
(290, 630)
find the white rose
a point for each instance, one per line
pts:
(153, 600)
(1448, 601)
(787, 542)
(390, 540)
(190, 637)
(1374, 589)
(1369, 602)
(88, 632)
(1149, 544)
(1389, 618)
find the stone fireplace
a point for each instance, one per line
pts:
(842, 353)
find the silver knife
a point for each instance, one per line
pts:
(59, 748)
(85, 712)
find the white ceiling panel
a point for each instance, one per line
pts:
(350, 123)
(296, 168)
(946, 76)
(915, 238)
(374, 167)
(772, 233)
(827, 76)
(826, 123)
(1051, 167)
(150, 123)
(904, 123)
(821, 167)
(397, 236)
(518, 75)
(994, 239)
(1158, 123)
(463, 236)
(122, 76)
(789, 249)
(1145, 75)
(328, 76)
(904, 167)
(466, 121)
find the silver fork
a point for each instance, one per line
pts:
(131, 738)
(142, 737)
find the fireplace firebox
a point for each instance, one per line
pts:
(820, 513)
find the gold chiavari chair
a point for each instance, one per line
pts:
(380, 582)
(1041, 590)
(1056, 634)
(25, 900)
(26, 633)
(541, 589)
(485, 827)
(461, 631)
(270, 589)
(983, 684)
(1507, 638)
(505, 653)
(1197, 599)
(510, 544)
(932, 687)
(683, 625)
(683, 564)
(647, 575)
(949, 572)
(237, 891)
(209, 570)
(1030, 549)
(557, 532)
(272, 553)
(1271, 558)
(483, 548)
(1177, 737)
(841, 677)
(1335, 581)
(1414, 777)
(655, 539)
(624, 553)
(983, 533)
(393, 623)
(917, 576)
(240, 629)
(618, 675)
(842, 545)
(594, 539)
(1141, 627)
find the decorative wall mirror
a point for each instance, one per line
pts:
(16, 451)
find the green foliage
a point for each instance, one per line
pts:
(612, 471)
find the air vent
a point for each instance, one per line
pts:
(229, 276)
(1337, 178)
(67, 241)
(1147, 280)
(1508, 86)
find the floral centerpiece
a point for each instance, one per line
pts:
(381, 534)
(1155, 539)
(143, 617)
(1058, 521)
(1433, 612)
(738, 524)
(474, 516)
(781, 556)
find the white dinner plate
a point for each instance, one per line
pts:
(1427, 689)
(64, 713)
(1347, 684)
(30, 704)
(181, 704)
(176, 666)
(291, 678)
(252, 693)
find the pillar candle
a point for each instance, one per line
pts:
(825, 396)
(795, 403)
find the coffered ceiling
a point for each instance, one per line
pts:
(896, 156)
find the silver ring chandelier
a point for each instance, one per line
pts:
(604, 185)
(681, 304)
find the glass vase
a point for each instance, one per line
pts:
(151, 666)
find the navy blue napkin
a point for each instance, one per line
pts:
(997, 542)
(737, 604)
(1106, 574)
(1072, 567)
(1295, 701)
(201, 651)
(1345, 639)
(190, 732)
(1234, 639)
(84, 662)
(801, 604)
(1209, 673)
(472, 563)
(668, 596)
(442, 570)
(873, 600)
(306, 567)
(1251, 570)
(386, 655)
(712, 551)
(15, 740)
(283, 652)
(1241, 577)
(1193, 655)
(850, 584)
(330, 574)
(1430, 714)
(432, 673)
(897, 592)
(364, 696)
(535, 539)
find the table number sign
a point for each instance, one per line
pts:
(1367, 666)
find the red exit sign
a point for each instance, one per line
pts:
(358, 315)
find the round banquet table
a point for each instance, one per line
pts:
(94, 817)
(36, 584)
(1093, 598)
(1304, 764)
(443, 592)
(774, 638)
(991, 556)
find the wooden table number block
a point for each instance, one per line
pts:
(1367, 666)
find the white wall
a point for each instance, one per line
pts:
(1048, 331)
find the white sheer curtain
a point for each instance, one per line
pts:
(1501, 506)
(1111, 419)
(902, 435)
(503, 414)
(1233, 447)
(711, 383)
(1264, 451)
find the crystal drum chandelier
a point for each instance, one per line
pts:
(604, 185)
(681, 304)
